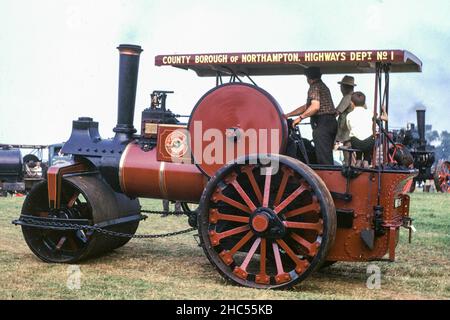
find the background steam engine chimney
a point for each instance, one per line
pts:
(421, 126)
(128, 74)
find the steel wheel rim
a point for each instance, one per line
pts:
(442, 177)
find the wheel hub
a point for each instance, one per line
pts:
(265, 223)
(65, 213)
(260, 223)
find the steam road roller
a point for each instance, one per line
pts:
(268, 215)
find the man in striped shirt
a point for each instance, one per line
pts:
(319, 106)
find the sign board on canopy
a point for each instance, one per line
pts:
(293, 62)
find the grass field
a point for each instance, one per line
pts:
(176, 268)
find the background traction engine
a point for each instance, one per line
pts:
(265, 220)
(422, 155)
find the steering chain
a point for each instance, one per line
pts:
(33, 222)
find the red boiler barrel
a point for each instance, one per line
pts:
(142, 175)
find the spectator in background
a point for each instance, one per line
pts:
(166, 207)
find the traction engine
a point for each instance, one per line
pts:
(423, 156)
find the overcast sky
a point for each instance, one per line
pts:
(58, 59)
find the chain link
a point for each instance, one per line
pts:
(164, 213)
(74, 226)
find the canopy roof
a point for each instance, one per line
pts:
(293, 62)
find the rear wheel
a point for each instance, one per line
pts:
(266, 222)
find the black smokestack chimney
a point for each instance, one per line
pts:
(128, 74)
(421, 126)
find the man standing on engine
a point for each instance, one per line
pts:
(320, 108)
(343, 109)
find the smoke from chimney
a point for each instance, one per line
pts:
(419, 106)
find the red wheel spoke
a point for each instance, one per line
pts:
(60, 243)
(318, 226)
(241, 242)
(72, 200)
(277, 257)
(262, 276)
(251, 177)
(216, 237)
(241, 271)
(310, 247)
(250, 254)
(301, 265)
(227, 256)
(290, 198)
(229, 217)
(232, 232)
(287, 172)
(267, 186)
(218, 196)
(313, 207)
(215, 215)
(281, 275)
(243, 194)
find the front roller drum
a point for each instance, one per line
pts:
(266, 222)
(82, 197)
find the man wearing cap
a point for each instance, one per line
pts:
(319, 106)
(345, 107)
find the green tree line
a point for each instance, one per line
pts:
(441, 141)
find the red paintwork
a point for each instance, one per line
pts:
(54, 180)
(260, 223)
(235, 106)
(348, 245)
(142, 175)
